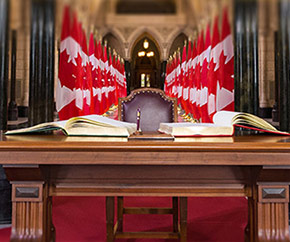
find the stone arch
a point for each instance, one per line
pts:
(139, 34)
(173, 38)
(139, 64)
(115, 41)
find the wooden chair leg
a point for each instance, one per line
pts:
(175, 214)
(183, 219)
(120, 213)
(110, 207)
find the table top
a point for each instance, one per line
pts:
(58, 141)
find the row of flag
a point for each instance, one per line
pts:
(90, 80)
(202, 79)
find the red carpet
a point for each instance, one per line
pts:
(79, 219)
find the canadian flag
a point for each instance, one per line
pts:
(65, 83)
(225, 86)
(165, 89)
(102, 94)
(214, 69)
(123, 78)
(179, 78)
(78, 71)
(69, 95)
(173, 88)
(116, 92)
(88, 107)
(169, 78)
(192, 89)
(94, 63)
(186, 93)
(204, 78)
(112, 95)
(105, 69)
(173, 81)
(98, 49)
(200, 48)
(183, 81)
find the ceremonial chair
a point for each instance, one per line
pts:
(155, 108)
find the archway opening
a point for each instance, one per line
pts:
(177, 43)
(145, 63)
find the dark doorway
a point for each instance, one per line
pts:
(145, 66)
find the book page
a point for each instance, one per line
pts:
(224, 118)
(39, 127)
(187, 129)
(247, 119)
(90, 129)
(101, 121)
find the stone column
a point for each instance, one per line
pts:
(283, 64)
(41, 81)
(246, 56)
(4, 46)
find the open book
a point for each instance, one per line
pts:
(223, 125)
(89, 125)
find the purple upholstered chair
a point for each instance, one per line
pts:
(155, 108)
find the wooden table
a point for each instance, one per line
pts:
(40, 167)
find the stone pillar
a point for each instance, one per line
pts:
(283, 64)
(41, 81)
(4, 46)
(246, 56)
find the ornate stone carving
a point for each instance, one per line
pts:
(165, 31)
(126, 31)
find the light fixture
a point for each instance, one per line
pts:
(141, 53)
(145, 44)
(150, 54)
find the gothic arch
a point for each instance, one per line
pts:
(115, 43)
(143, 32)
(172, 37)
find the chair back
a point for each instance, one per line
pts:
(155, 108)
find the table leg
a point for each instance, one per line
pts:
(120, 213)
(252, 215)
(31, 212)
(110, 205)
(272, 212)
(175, 214)
(183, 219)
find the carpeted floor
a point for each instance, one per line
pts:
(79, 219)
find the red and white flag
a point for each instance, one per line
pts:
(225, 86)
(204, 78)
(105, 69)
(87, 78)
(179, 78)
(123, 78)
(192, 84)
(174, 81)
(112, 95)
(183, 78)
(186, 91)
(198, 69)
(69, 97)
(116, 92)
(98, 49)
(94, 70)
(216, 49)
(65, 83)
